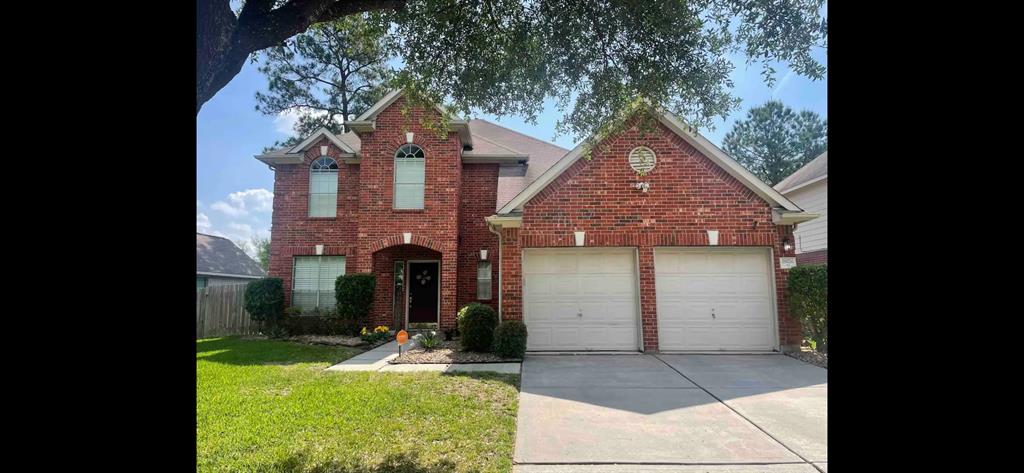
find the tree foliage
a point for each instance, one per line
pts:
(593, 57)
(774, 141)
(333, 71)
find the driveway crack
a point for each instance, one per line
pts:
(794, 452)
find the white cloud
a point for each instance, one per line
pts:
(240, 204)
(202, 223)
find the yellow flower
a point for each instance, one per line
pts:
(363, 332)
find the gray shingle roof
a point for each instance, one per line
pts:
(816, 168)
(513, 179)
(219, 255)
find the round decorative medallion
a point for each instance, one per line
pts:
(642, 160)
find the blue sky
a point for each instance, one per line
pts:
(234, 191)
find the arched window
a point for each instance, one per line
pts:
(409, 177)
(323, 187)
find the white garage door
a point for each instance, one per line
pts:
(580, 299)
(714, 299)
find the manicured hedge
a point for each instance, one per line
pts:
(264, 299)
(510, 339)
(808, 302)
(354, 294)
(476, 327)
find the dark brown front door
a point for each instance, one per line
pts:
(423, 283)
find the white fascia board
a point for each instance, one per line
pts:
(381, 104)
(244, 276)
(805, 184)
(790, 218)
(726, 162)
(543, 180)
(389, 99)
(306, 143)
(279, 159)
(505, 221)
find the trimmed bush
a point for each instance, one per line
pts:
(264, 300)
(510, 339)
(476, 325)
(808, 302)
(354, 294)
(319, 325)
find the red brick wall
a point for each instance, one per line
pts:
(688, 195)
(294, 233)
(478, 201)
(437, 221)
(366, 221)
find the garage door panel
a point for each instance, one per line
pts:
(733, 284)
(560, 283)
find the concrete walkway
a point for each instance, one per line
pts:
(377, 360)
(679, 413)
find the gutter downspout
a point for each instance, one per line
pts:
(490, 228)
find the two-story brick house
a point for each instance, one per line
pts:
(590, 253)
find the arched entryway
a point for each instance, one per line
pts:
(409, 287)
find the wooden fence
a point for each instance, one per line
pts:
(220, 311)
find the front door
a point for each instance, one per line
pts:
(423, 282)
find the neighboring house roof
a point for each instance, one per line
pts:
(219, 256)
(810, 173)
(687, 133)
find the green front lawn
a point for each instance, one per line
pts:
(269, 406)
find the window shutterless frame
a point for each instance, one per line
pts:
(409, 178)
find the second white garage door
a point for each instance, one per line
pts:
(580, 299)
(714, 299)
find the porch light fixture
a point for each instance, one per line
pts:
(580, 238)
(483, 255)
(407, 238)
(787, 245)
(713, 237)
(408, 137)
(319, 250)
(323, 151)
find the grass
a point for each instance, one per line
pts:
(269, 406)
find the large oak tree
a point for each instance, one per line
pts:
(507, 56)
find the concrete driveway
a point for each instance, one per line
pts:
(679, 413)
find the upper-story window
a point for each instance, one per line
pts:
(409, 177)
(323, 187)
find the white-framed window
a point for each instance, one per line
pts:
(409, 177)
(313, 281)
(323, 187)
(483, 280)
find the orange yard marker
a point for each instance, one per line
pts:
(401, 338)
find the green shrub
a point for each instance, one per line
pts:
(428, 340)
(510, 339)
(319, 325)
(476, 327)
(354, 294)
(293, 311)
(808, 301)
(264, 300)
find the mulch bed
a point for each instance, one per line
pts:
(812, 357)
(448, 352)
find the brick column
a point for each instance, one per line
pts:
(511, 275)
(790, 334)
(449, 283)
(648, 305)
